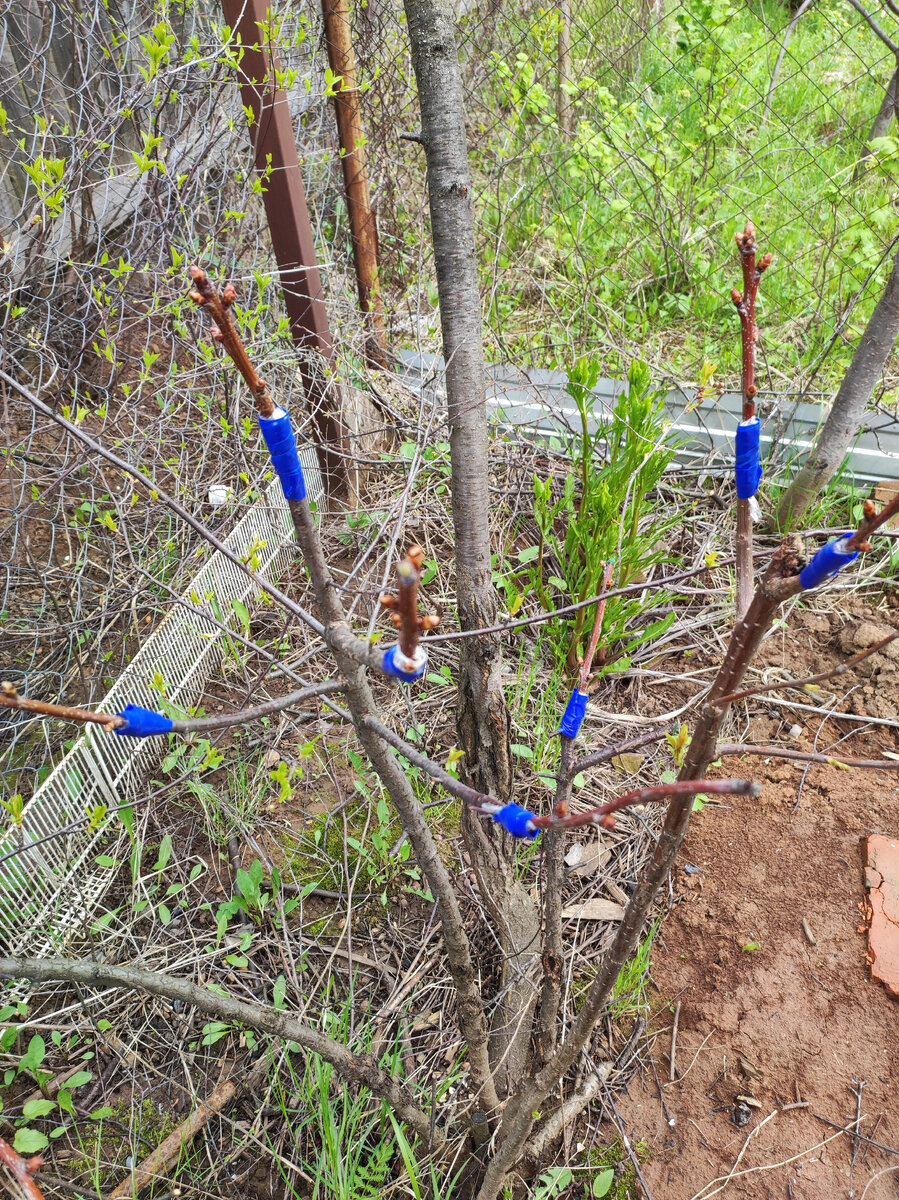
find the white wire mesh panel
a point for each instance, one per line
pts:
(48, 889)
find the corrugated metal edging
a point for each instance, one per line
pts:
(536, 402)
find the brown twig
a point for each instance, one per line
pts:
(871, 521)
(672, 1070)
(22, 1170)
(587, 664)
(223, 330)
(832, 760)
(819, 678)
(597, 757)
(10, 698)
(169, 1152)
(405, 603)
(361, 1069)
(749, 334)
(745, 305)
(649, 795)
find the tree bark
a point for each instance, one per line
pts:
(848, 411)
(483, 718)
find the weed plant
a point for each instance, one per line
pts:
(603, 523)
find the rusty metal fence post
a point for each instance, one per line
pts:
(275, 151)
(363, 229)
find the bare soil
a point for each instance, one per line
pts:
(764, 1011)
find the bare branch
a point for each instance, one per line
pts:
(10, 698)
(882, 34)
(225, 332)
(811, 679)
(875, 764)
(360, 1069)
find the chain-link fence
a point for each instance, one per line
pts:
(614, 152)
(124, 157)
(616, 148)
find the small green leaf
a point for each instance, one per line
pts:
(522, 751)
(529, 554)
(165, 853)
(748, 947)
(279, 991)
(80, 1078)
(165, 914)
(38, 1108)
(100, 1113)
(29, 1141)
(602, 1182)
(243, 614)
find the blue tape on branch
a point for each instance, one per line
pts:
(395, 663)
(827, 562)
(748, 468)
(570, 725)
(143, 722)
(514, 819)
(282, 446)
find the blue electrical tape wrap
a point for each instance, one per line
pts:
(514, 819)
(746, 463)
(282, 446)
(390, 666)
(570, 725)
(143, 722)
(829, 559)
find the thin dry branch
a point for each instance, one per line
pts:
(10, 698)
(728, 750)
(841, 669)
(168, 1153)
(360, 1069)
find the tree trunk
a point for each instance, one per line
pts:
(848, 411)
(483, 718)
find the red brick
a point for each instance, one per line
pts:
(882, 878)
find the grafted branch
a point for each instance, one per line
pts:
(753, 268)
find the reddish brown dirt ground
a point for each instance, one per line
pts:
(785, 1016)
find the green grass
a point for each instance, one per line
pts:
(619, 239)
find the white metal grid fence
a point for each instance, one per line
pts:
(50, 887)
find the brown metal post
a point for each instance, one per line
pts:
(278, 164)
(363, 229)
